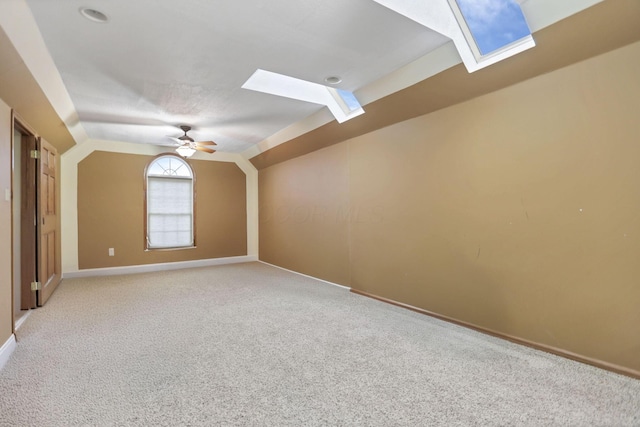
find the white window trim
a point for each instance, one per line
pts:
(498, 55)
(148, 245)
(441, 16)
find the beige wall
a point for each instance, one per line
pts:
(111, 212)
(294, 199)
(23, 92)
(516, 211)
(6, 315)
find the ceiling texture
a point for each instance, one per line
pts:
(158, 64)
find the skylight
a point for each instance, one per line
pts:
(342, 104)
(350, 102)
(484, 32)
(494, 24)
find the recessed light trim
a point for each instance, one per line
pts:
(93, 15)
(333, 80)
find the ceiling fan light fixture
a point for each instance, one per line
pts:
(185, 151)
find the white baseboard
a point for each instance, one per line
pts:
(305, 275)
(149, 268)
(22, 318)
(6, 350)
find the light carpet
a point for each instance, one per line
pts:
(252, 345)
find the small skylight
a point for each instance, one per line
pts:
(349, 99)
(494, 24)
(342, 104)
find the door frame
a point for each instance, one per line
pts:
(37, 217)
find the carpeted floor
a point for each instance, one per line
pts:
(252, 345)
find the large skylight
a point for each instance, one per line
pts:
(494, 24)
(484, 32)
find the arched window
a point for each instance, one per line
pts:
(169, 203)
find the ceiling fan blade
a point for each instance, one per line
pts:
(206, 143)
(205, 149)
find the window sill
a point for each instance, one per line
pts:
(170, 249)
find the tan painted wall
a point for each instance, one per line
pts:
(23, 93)
(111, 212)
(516, 211)
(304, 217)
(6, 315)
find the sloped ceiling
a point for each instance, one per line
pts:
(596, 30)
(20, 90)
(158, 63)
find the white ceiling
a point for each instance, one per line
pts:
(160, 63)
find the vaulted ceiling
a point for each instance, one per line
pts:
(157, 64)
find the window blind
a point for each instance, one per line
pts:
(169, 212)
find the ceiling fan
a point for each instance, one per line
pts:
(187, 145)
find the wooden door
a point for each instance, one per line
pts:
(49, 227)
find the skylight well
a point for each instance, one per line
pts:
(484, 32)
(342, 104)
(347, 100)
(493, 27)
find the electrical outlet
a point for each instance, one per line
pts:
(112, 252)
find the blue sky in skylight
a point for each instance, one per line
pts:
(494, 23)
(349, 99)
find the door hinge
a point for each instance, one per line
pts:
(35, 154)
(36, 286)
